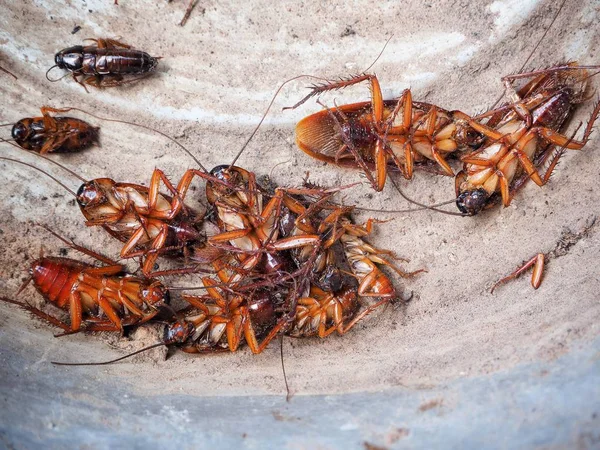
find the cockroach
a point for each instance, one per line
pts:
(148, 222)
(54, 134)
(104, 64)
(395, 133)
(321, 312)
(248, 225)
(362, 257)
(97, 298)
(522, 137)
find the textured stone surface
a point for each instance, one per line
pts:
(453, 342)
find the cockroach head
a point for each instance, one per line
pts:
(20, 131)
(472, 201)
(90, 194)
(178, 332)
(155, 294)
(70, 58)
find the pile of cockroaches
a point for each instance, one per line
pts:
(279, 260)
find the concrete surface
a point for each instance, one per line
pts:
(455, 367)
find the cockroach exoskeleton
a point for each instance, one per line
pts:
(522, 137)
(57, 134)
(101, 298)
(383, 134)
(104, 64)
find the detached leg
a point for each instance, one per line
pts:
(536, 279)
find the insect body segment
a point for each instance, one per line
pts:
(54, 134)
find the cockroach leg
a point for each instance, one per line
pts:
(536, 279)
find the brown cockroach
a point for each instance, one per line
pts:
(54, 134)
(148, 222)
(397, 133)
(104, 64)
(362, 257)
(97, 298)
(321, 313)
(522, 136)
(248, 225)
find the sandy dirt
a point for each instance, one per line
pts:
(214, 82)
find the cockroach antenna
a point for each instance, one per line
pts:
(112, 361)
(154, 130)
(267, 111)
(69, 190)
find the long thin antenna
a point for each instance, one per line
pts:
(48, 78)
(267, 111)
(146, 128)
(10, 73)
(535, 48)
(380, 53)
(104, 363)
(408, 199)
(288, 396)
(65, 168)
(42, 171)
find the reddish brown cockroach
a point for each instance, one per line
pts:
(54, 134)
(522, 136)
(101, 298)
(104, 64)
(396, 133)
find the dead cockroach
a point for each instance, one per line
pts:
(397, 133)
(321, 313)
(54, 134)
(522, 136)
(148, 222)
(362, 257)
(99, 298)
(248, 225)
(104, 64)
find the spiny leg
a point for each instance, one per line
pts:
(536, 278)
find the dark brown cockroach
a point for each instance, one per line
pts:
(522, 136)
(382, 134)
(362, 257)
(54, 134)
(97, 298)
(105, 64)
(321, 313)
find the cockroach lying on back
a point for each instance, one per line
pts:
(105, 64)
(58, 134)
